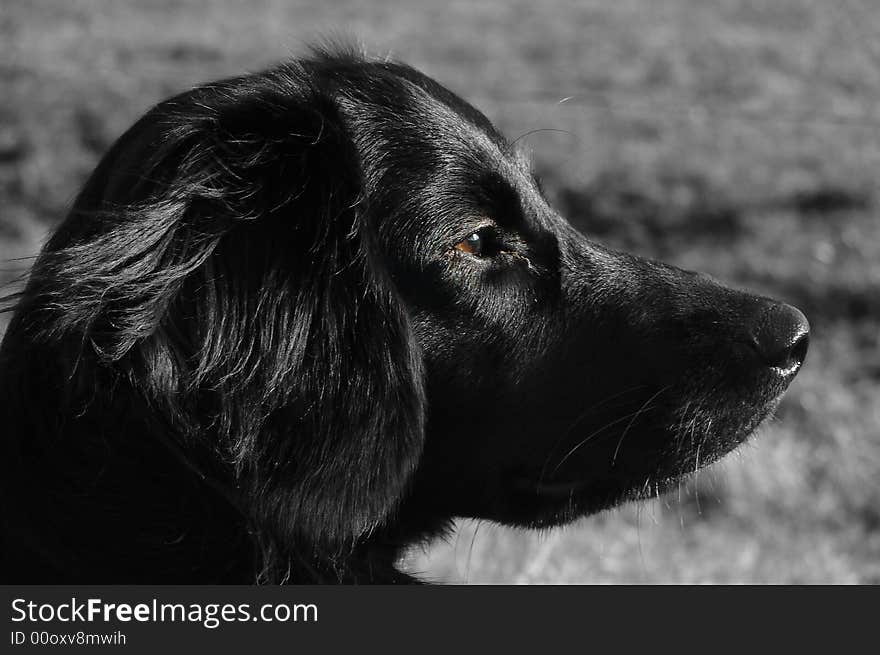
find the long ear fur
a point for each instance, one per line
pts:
(220, 258)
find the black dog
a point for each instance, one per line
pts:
(297, 321)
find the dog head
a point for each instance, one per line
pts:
(339, 279)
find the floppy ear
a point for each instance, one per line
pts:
(222, 259)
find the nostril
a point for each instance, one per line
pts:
(782, 337)
(799, 350)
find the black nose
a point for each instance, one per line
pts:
(781, 337)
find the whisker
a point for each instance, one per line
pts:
(580, 417)
(638, 413)
(602, 429)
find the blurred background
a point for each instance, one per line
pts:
(737, 137)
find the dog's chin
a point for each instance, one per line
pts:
(544, 502)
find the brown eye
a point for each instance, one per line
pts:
(482, 243)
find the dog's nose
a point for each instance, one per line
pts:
(781, 337)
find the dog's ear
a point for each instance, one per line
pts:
(222, 258)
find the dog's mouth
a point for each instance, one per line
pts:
(653, 458)
(553, 489)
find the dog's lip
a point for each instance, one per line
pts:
(559, 488)
(562, 488)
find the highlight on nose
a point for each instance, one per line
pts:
(781, 337)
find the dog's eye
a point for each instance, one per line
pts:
(484, 242)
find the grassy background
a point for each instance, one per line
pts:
(737, 137)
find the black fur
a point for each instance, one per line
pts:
(254, 352)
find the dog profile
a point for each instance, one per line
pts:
(299, 320)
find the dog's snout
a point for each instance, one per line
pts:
(781, 337)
